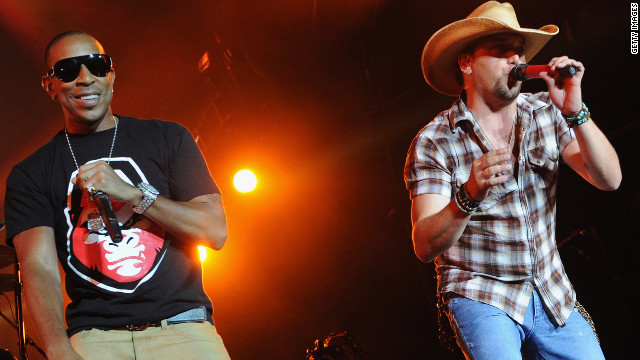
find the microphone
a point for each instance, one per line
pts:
(108, 216)
(522, 72)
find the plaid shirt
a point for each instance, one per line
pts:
(508, 246)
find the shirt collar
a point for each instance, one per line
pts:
(459, 111)
(526, 102)
(533, 102)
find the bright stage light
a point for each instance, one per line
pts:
(245, 181)
(202, 250)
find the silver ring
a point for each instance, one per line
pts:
(91, 189)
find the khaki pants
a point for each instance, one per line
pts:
(178, 341)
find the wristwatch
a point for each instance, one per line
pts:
(149, 195)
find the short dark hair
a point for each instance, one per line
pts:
(59, 37)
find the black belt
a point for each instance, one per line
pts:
(198, 314)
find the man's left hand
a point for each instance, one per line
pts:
(566, 93)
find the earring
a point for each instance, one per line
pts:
(469, 72)
(54, 98)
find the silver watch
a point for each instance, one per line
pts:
(149, 195)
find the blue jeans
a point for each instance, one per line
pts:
(486, 332)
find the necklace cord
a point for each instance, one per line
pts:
(113, 143)
(511, 137)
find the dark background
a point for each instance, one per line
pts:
(322, 99)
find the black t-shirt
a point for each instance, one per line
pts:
(148, 276)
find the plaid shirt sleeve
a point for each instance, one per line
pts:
(427, 169)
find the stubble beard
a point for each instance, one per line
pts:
(506, 92)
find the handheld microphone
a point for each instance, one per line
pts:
(522, 72)
(108, 216)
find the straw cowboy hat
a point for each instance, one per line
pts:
(440, 55)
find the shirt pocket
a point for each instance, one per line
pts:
(543, 161)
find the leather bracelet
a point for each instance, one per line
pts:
(580, 118)
(467, 196)
(464, 202)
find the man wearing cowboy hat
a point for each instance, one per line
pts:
(482, 177)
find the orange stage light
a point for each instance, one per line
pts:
(202, 250)
(245, 181)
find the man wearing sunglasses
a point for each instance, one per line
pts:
(137, 296)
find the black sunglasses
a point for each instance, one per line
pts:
(68, 69)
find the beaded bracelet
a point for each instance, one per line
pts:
(464, 202)
(580, 118)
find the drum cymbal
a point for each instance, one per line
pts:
(7, 256)
(7, 282)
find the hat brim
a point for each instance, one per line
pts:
(440, 54)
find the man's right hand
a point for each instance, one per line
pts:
(488, 171)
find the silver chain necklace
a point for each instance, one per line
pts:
(113, 142)
(94, 219)
(511, 137)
